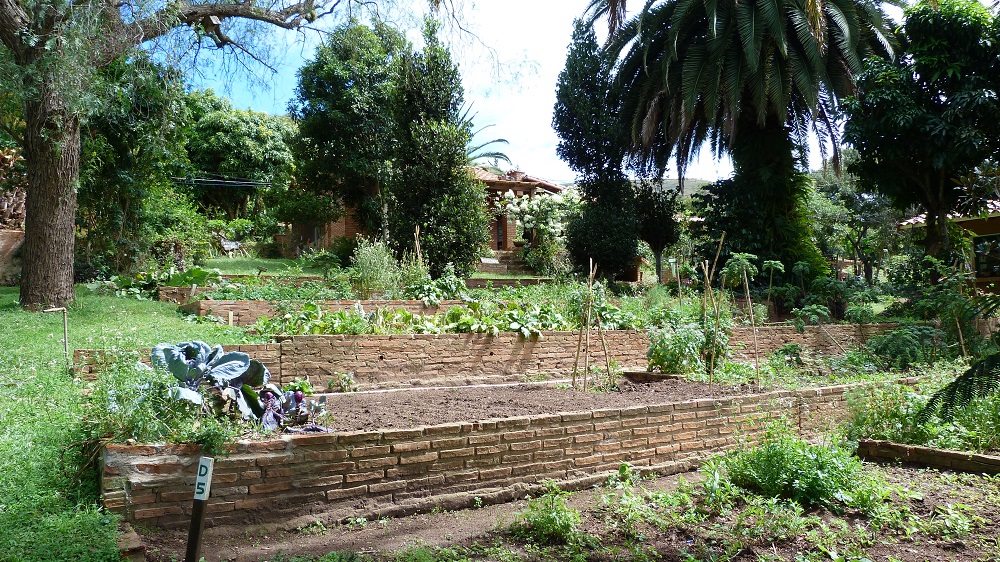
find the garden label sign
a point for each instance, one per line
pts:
(203, 485)
(202, 488)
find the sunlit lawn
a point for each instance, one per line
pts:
(250, 266)
(46, 512)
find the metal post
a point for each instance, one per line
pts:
(202, 489)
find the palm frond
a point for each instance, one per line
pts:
(982, 379)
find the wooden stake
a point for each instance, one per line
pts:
(753, 325)
(590, 309)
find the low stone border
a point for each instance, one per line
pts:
(873, 450)
(396, 470)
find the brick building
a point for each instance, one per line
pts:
(502, 227)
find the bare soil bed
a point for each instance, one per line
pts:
(954, 515)
(416, 407)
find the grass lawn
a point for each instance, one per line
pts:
(249, 266)
(47, 512)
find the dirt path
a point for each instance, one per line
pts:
(383, 537)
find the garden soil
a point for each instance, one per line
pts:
(979, 496)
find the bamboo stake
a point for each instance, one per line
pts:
(590, 309)
(753, 325)
(961, 337)
(604, 346)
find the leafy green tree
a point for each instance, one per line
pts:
(130, 149)
(50, 52)
(590, 141)
(655, 210)
(236, 154)
(432, 188)
(751, 79)
(346, 139)
(858, 224)
(931, 115)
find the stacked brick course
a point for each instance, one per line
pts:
(416, 468)
(88, 362)
(246, 313)
(424, 359)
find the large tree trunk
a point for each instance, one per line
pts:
(52, 153)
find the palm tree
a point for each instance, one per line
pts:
(751, 78)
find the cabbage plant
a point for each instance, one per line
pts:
(231, 375)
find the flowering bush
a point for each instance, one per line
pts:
(543, 218)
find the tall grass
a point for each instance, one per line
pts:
(49, 510)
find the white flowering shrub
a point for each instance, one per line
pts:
(543, 218)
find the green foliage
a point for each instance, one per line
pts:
(942, 92)
(548, 521)
(130, 148)
(604, 231)
(374, 270)
(761, 216)
(433, 189)
(591, 140)
(236, 145)
(433, 291)
(852, 221)
(902, 414)
(341, 103)
(738, 265)
(692, 73)
(267, 288)
(655, 210)
(981, 380)
(784, 466)
(688, 341)
(676, 350)
(907, 345)
(813, 314)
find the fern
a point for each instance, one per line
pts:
(980, 380)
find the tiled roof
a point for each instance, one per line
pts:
(992, 210)
(514, 179)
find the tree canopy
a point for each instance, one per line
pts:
(591, 142)
(49, 53)
(750, 79)
(346, 128)
(921, 121)
(432, 187)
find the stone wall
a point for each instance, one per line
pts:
(448, 359)
(88, 362)
(10, 268)
(246, 313)
(427, 359)
(328, 475)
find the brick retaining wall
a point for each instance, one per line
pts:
(88, 362)
(246, 313)
(425, 359)
(887, 451)
(416, 468)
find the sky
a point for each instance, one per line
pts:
(511, 86)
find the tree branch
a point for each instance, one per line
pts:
(14, 22)
(122, 36)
